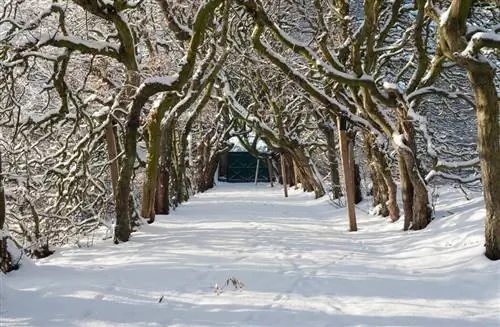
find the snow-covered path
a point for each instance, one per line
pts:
(299, 265)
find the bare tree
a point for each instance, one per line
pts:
(465, 47)
(5, 257)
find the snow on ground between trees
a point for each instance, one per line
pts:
(298, 263)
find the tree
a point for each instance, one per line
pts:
(116, 104)
(174, 105)
(462, 46)
(5, 257)
(91, 109)
(359, 98)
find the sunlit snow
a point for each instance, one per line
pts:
(298, 263)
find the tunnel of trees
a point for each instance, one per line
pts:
(114, 111)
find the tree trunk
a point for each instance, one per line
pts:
(414, 192)
(392, 204)
(384, 187)
(297, 175)
(163, 208)
(358, 197)
(183, 192)
(289, 169)
(390, 187)
(270, 171)
(379, 187)
(179, 155)
(406, 193)
(305, 172)
(410, 175)
(150, 180)
(160, 190)
(488, 140)
(112, 156)
(5, 257)
(122, 223)
(2, 197)
(482, 76)
(333, 164)
(162, 201)
(206, 164)
(354, 169)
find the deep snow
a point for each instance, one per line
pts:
(299, 265)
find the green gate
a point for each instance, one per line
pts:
(241, 168)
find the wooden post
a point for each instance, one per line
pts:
(270, 170)
(283, 174)
(257, 171)
(348, 172)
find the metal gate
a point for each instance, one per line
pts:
(241, 168)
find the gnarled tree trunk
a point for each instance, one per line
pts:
(152, 163)
(5, 257)
(384, 187)
(406, 193)
(413, 186)
(122, 225)
(452, 42)
(306, 173)
(333, 164)
(488, 140)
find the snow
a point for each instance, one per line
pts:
(392, 87)
(478, 37)
(321, 96)
(443, 16)
(398, 139)
(162, 80)
(298, 263)
(98, 46)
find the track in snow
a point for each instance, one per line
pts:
(299, 265)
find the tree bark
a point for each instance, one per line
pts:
(2, 197)
(385, 181)
(5, 257)
(358, 197)
(112, 156)
(183, 191)
(379, 187)
(406, 193)
(414, 192)
(384, 187)
(206, 164)
(122, 225)
(160, 190)
(297, 175)
(333, 163)
(162, 203)
(488, 140)
(270, 171)
(150, 180)
(481, 76)
(305, 173)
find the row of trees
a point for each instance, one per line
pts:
(102, 98)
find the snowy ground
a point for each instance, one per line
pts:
(299, 265)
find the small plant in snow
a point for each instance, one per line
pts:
(237, 284)
(434, 198)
